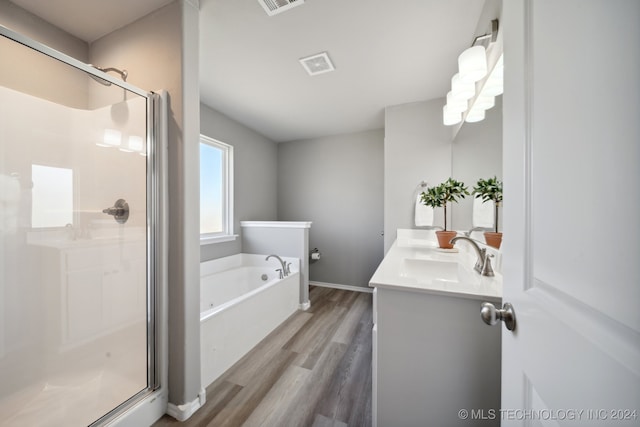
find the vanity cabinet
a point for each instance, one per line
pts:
(433, 357)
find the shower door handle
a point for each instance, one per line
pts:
(119, 211)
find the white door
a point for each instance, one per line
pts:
(572, 212)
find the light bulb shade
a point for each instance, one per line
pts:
(474, 115)
(449, 117)
(484, 102)
(493, 87)
(456, 105)
(462, 90)
(472, 64)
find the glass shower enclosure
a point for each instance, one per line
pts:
(77, 239)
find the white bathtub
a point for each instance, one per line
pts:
(242, 299)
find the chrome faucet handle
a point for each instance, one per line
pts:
(483, 263)
(287, 268)
(487, 270)
(280, 274)
(119, 211)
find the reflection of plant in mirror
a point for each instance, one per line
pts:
(448, 191)
(490, 190)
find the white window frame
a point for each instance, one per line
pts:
(227, 234)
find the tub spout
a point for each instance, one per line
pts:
(285, 270)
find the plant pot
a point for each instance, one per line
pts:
(444, 237)
(493, 239)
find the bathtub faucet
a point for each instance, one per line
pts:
(285, 268)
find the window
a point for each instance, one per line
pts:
(52, 196)
(216, 191)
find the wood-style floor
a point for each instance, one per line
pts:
(314, 370)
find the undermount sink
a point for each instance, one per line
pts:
(430, 270)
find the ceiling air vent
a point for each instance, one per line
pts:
(317, 64)
(273, 7)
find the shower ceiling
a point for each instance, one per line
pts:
(385, 53)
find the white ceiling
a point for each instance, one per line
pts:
(385, 53)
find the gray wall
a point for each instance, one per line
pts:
(476, 153)
(336, 182)
(255, 176)
(160, 51)
(417, 147)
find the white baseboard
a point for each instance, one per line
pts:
(183, 412)
(304, 306)
(339, 286)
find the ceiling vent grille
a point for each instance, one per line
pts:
(317, 64)
(273, 7)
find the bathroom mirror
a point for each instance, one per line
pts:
(476, 153)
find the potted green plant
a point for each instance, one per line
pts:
(438, 197)
(491, 190)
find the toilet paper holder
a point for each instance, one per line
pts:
(315, 255)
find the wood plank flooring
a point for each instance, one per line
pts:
(314, 370)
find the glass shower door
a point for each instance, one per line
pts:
(74, 265)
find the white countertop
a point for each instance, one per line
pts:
(415, 263)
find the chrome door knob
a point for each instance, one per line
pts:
(492, 315)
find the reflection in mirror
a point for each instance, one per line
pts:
(476, 153)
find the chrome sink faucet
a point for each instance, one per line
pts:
(284, 272)
(483, 263)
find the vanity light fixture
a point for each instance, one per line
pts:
(473, 88)
(472, 64)
(451, 117)
(475, 115)
(460, 89)
(459, 105)
(494, 84)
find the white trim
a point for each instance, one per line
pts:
(185, 411)
(207, 240)
(227, 193)
(276, 224)
(304, 306)
(339, 286)
(145, 412)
